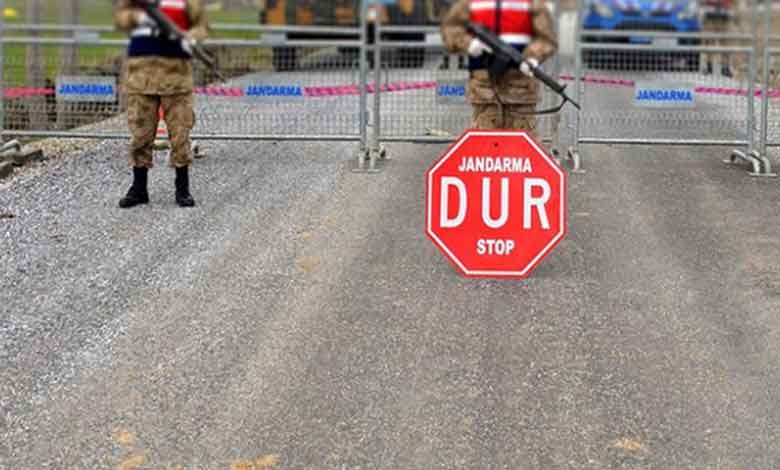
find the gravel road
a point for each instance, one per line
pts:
(298, 317)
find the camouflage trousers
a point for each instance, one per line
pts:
(716, 26)
(507, 116)
(143, 118)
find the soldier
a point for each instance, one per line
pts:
(510, 102)
(445, 65)
(718, 16)
(159, 74)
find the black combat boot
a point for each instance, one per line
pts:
(708, 70)
(726, 71)
(183, 196)
(138, 193)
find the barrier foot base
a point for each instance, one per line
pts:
(197, 152)
(380, 152)
(556, 156)
(766, 165)
(574, 157)
(749, 158)
(366, 155)
(14, 145)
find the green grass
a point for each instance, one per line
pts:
(98, 12)
(93, 13)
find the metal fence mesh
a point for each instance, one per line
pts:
(773, 118)
(425, 94)
(296, 91)
(30, 87)
(651, 93)
(306, 91)
(279, 88)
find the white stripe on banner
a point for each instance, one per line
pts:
(506, 5)
(139, 32)
(181, 4)
(516, 38)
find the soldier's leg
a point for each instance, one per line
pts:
(486, 116)
(725, 64)
(142, 121)
(180, 118)
(522, 117)
(708, 26)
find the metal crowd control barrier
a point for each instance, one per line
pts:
(423, 94)
(652, 89)
(771, 106)
(320, 90)
(261, 102)
(770, 81)
(279, 90)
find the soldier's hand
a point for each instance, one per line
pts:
(477, 48)
(188, 44)
(528, 66)
(142, 19)
(145, 24)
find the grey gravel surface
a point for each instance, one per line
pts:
(299, 318)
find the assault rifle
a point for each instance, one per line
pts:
(506, 56)
(169, 29)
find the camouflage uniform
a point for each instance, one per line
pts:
(718, 18)
(157, 81)
(509, 102)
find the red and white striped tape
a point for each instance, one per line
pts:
(704, 90)
(354, 90)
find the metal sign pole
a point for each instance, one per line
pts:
(751, 84)
(2, 71)
(556, 72)
(765, 85)
(363, 85)
(574, 151)
(376, 138)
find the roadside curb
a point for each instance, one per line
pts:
(6, 169)
(22, 157)
(13, 154)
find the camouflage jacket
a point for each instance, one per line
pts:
(513, 87)
(157, 75)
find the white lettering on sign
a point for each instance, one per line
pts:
(531, 203)
(446, 182)
(486, 212)
(495, 165)
(498, 247)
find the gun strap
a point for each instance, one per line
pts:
(554, 110)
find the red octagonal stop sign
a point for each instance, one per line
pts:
(496, 203)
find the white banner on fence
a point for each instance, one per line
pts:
(451, 92)
(275, 92)
(652, 94)
(96, 89)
